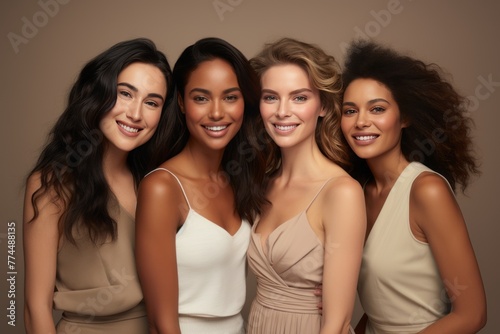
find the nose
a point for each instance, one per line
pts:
(134, 111)
(362, 120)
(217, 111)
(282, 110)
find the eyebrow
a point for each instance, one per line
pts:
(369, 102)
(207, 92)
(297, 91)
(132, 87)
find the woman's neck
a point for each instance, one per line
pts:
(302, 162)
(202, 162)
(387, 169)
(114, 162)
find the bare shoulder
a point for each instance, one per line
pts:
(429, 188)
(159, 183)
(343, 187)
(33, 183)
(160, 203)
(47, 203)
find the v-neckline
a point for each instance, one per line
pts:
(192, 211)
(264, 243)
(385, 202)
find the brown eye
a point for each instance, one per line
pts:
(378, 109)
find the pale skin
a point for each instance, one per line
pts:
(212, 98)
(290, 108)
(435, 217)
(139, 104)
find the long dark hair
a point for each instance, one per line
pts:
(70, 165)
(439, 131)
(242, 160)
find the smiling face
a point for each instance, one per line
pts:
(371, 120)
(141, 93)
(290, 105)
(213, 104)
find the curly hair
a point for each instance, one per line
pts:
(243, 160)
(439, 131)
(325, 75)
(71, 161)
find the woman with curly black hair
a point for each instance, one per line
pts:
(410, 137)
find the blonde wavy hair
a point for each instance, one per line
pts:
(325, 75)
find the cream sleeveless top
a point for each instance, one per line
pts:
(211, 266)
(399, 285)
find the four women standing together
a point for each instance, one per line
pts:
(276, 184)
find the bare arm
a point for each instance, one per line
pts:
(438, 215)
(157, 218)
(40, 243)
(344, 220)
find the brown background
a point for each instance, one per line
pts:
(462, 36)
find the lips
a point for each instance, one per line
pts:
(128, 129)
(365, 138)
(216, 128)
(285, 127)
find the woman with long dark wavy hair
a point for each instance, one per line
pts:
(194, 212)
(81, 195)
(411, 148)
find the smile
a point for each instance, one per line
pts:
(128, 128)
(363, 138)
(285, 127)
(216, 128)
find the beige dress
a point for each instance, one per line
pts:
(399, 286)
(287, 275)
(97, 287)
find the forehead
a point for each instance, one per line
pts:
(144, 76)
(286, 75)
(212, 71)
(369, 88)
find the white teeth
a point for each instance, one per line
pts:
(128, 128)
(216, 128)
(365, 137)
(285, 127)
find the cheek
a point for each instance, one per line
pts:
(106, 122)
(238, 109)
(194, 112)
(388, 124)
(266, 110)
(311, 111)
(153, 119)
(345, 124)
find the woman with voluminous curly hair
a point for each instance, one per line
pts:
(411, 147)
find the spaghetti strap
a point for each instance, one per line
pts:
(324, 184)
(178, 181)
